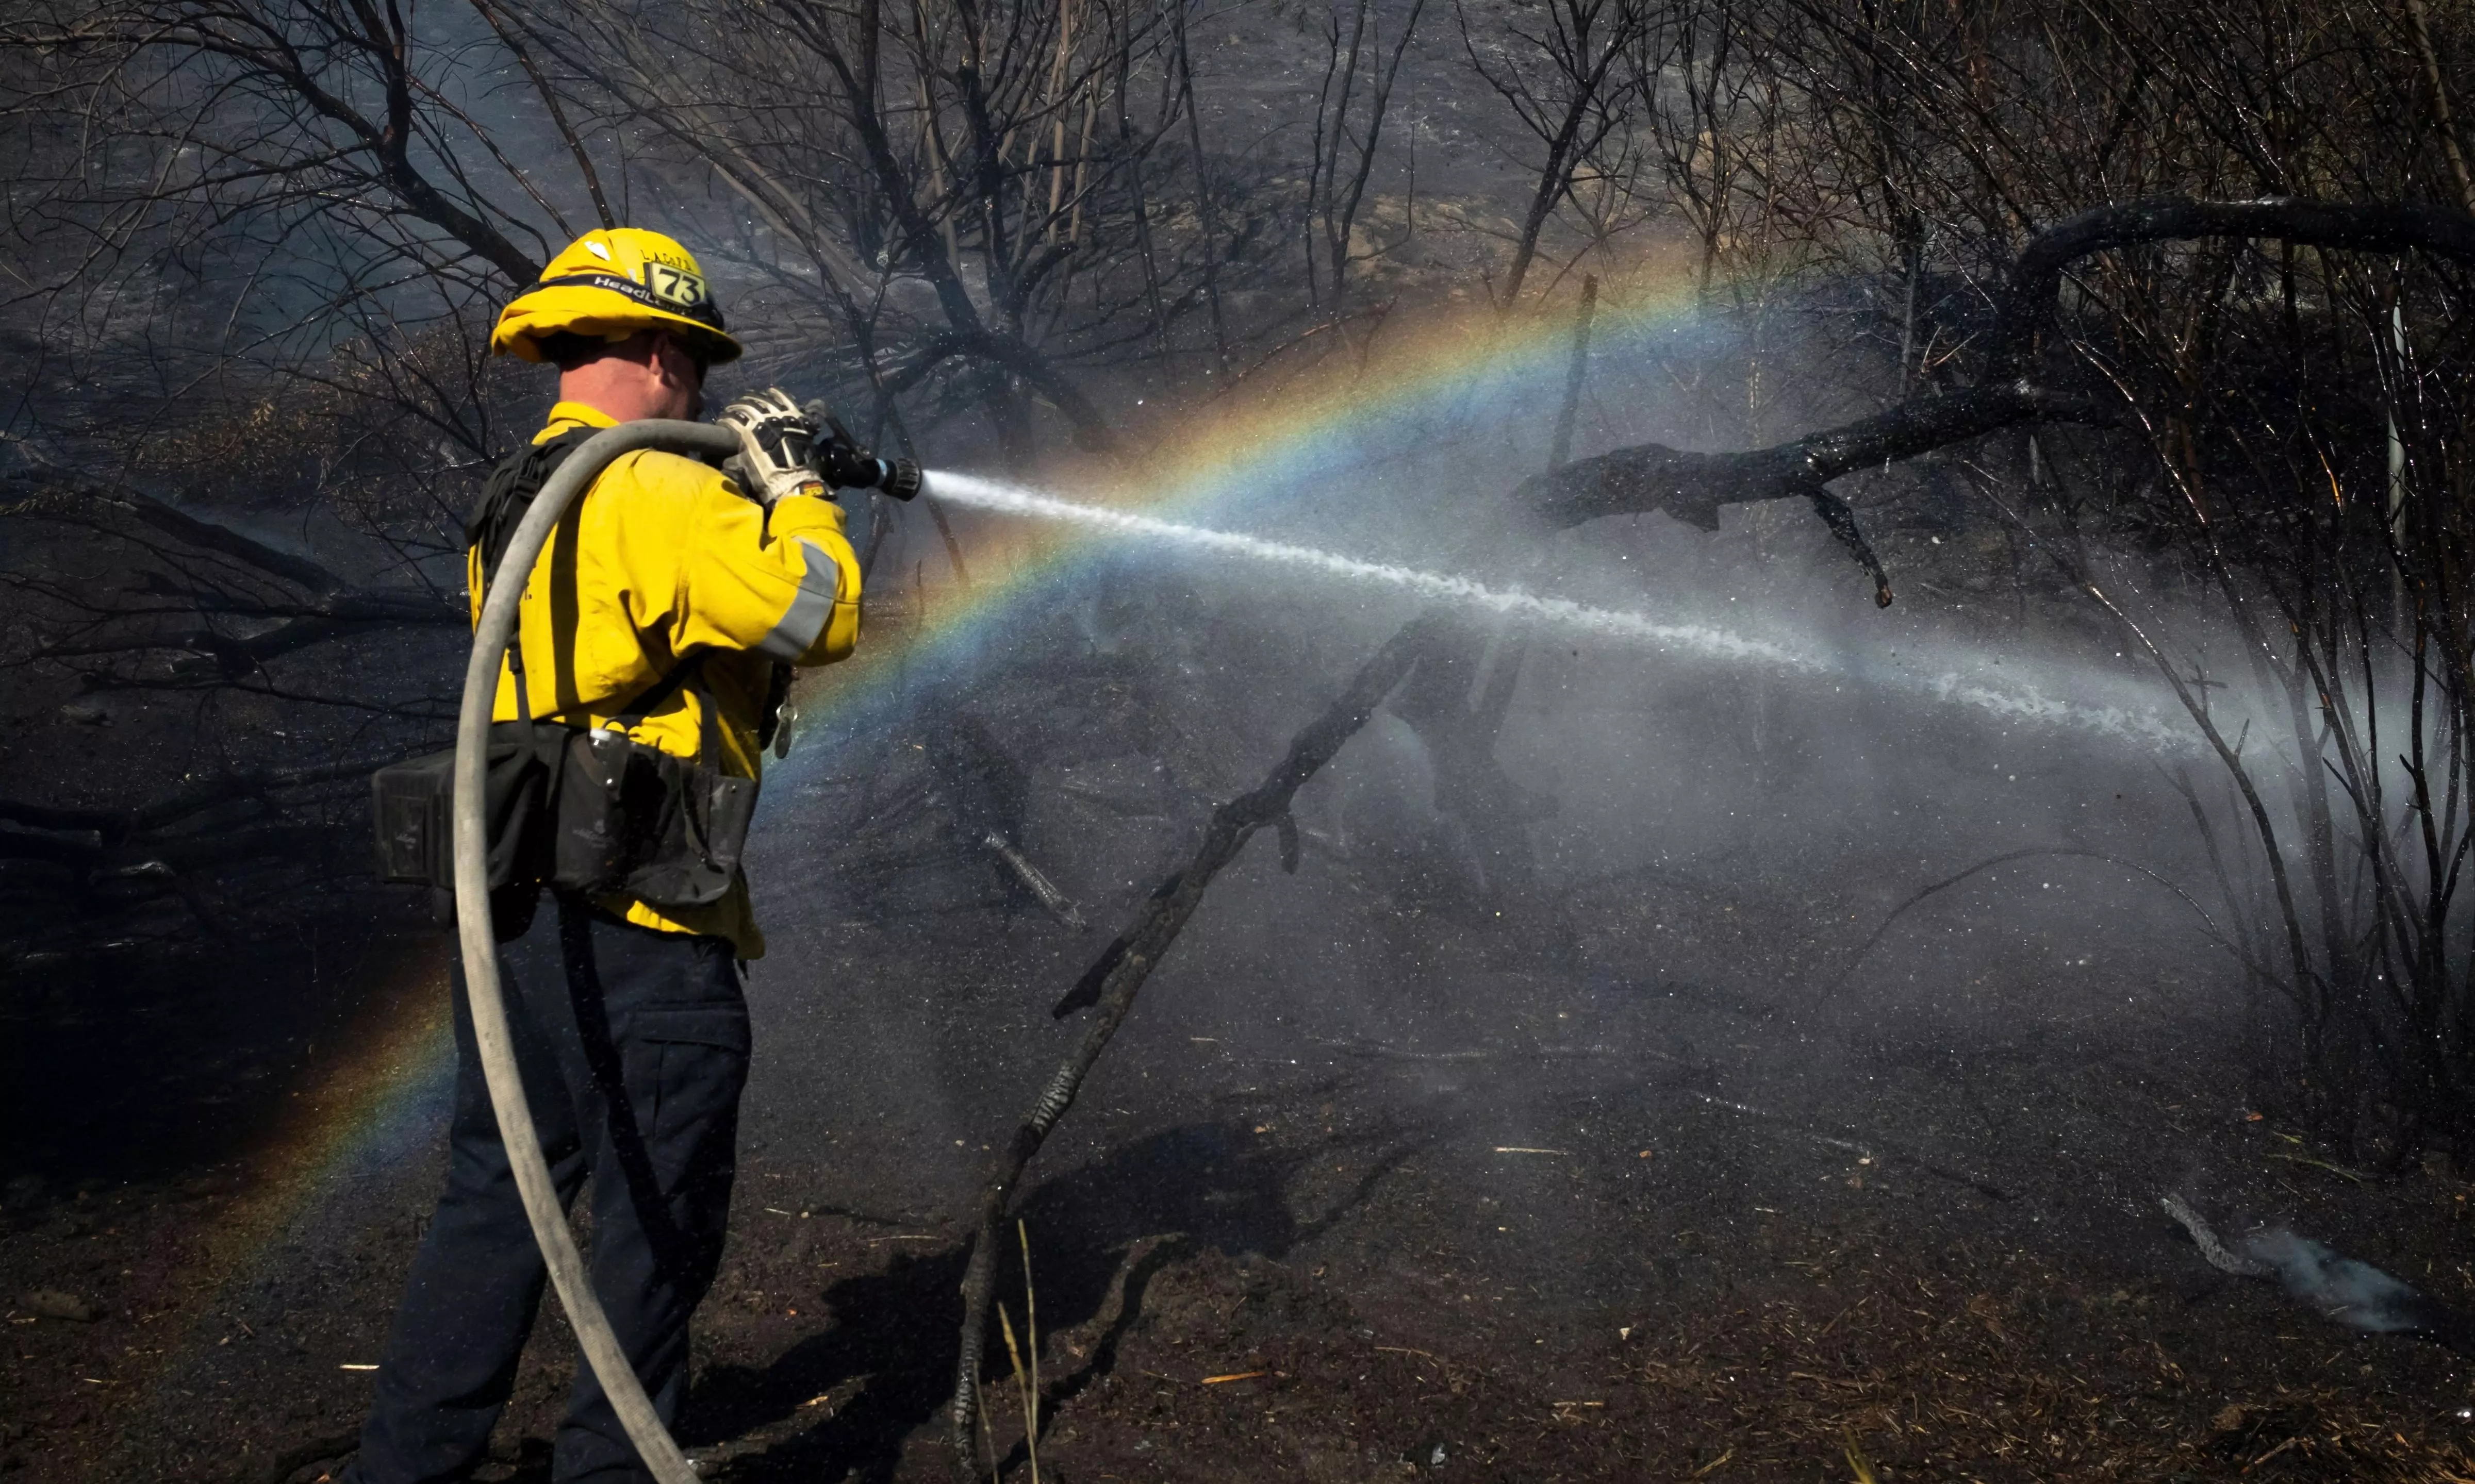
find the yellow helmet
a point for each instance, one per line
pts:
(611, 284)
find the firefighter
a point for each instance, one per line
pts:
(671, 580)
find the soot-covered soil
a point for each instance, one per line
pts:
(1552, 1259)
(1370, 1187)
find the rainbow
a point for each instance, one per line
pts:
(1275, 433)
(359, 1115)
(349, 1124)
(1257, 449)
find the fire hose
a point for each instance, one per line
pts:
(491, 635)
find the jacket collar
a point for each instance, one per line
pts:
(571, 414)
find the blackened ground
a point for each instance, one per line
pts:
(1370, 1186)
(1528, 1246)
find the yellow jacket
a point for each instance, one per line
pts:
(662, 557)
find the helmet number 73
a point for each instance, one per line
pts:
(675, 284)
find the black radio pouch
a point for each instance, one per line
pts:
(631, 818)
(591, 811)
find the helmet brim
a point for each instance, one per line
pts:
(597, 313)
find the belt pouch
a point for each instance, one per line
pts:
(413, 810)
(701, 829)
(610, 802)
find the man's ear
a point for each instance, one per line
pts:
(664, 346)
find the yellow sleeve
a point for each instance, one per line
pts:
(787, 588)
(822, 624)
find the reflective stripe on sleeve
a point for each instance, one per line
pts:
(820, 584)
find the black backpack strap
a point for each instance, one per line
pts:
(492, 525)
(510, 493)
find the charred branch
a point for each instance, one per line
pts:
(208, 613)
(1566, 105)
(162, 860)
(1692, 487)
(312, 63)
(113, 826)
(215, 536)
(1118, 975)
(206, 651)
(990, 793)
(1091, 430)
(1867, 1148)
(503, 26)
(1036, 881)
(2036, 280)
(2216, 933)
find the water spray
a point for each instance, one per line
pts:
(1442, 587)
(2006, 702)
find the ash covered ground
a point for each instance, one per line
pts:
(1639, 1172)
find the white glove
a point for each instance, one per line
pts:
(775, 437)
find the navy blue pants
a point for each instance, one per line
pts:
(633, 1045)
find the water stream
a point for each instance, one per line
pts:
(1918, 671)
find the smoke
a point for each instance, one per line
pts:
(2352, 1292)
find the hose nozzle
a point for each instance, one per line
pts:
(901, 478)
(840, 462)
